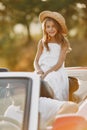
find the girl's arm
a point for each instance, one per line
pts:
(60, 60)
(36, 60)
(59, 63)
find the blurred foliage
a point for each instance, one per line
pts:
(18, 49)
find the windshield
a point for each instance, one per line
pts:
(12, 102)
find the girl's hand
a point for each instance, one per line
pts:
(43, 75)
(40, 72)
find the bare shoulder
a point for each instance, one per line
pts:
(66, 46)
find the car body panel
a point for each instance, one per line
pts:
(78, 72)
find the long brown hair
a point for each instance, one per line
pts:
(60, 38)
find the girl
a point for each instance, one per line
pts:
(51, 53)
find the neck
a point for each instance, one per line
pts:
(52, 39)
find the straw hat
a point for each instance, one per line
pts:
(56, 16)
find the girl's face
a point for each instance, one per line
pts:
(50, 28)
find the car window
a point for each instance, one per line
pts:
(13, 96)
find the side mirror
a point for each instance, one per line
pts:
(4, 70)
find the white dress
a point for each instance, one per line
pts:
(58, 80)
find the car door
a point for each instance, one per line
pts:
(19, 96)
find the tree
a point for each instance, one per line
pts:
(24, 12)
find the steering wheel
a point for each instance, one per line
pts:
(9, 122)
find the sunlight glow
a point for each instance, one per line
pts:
(74, 17)
(73, 32)
(35, 28)
(79, 5)
(43, 0)
(19, 28)
(2, 7)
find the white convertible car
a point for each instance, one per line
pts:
(20, 92)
